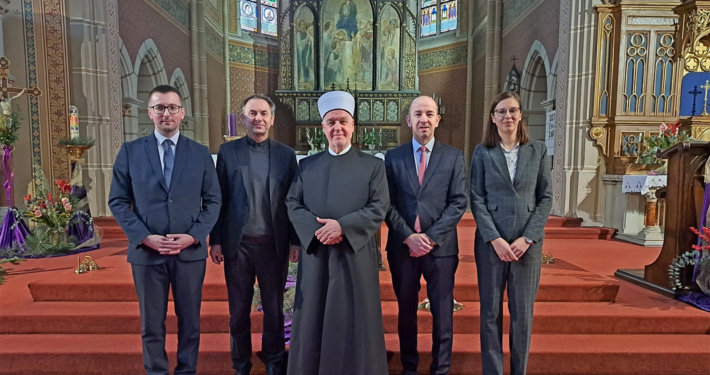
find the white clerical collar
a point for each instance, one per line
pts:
(161, 138)
(341, 152)
(429, 145)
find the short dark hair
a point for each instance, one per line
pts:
(491, 138)
(272, 106)
(164, 89)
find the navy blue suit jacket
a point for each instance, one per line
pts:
(440, 201)
(143, 205)
(232, 171)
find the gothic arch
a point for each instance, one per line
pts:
(150, 71)
(128, 75)
(149, 58)
(180, 83)
(536, 77)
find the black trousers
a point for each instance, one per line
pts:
(152, 285)
(260, 261)
(439, 275)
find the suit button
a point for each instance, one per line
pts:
(170, 201)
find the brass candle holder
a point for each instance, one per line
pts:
(76, 152)
(86, 265)
(547, 258)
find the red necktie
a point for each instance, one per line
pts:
(422, 170)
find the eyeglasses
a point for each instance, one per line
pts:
(173, 109)
(501, 112)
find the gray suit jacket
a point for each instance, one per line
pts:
(506, 209)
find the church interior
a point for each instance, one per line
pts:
(617, 90)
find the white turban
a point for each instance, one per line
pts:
(333, 100)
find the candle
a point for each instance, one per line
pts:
(73, 122)
(232, 125)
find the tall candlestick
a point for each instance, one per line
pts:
(232, 125)
(73, 122)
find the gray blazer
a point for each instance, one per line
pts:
(506, 209)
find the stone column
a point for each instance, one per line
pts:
(93, 41)
(576, 176)
(494, 36)
(199, 70)
(3, 9)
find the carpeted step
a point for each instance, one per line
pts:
(549, 354)
(550, 318)
(557, 288)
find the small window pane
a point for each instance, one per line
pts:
(449, 16)
(268, 20)
(271, 3)
(429, 21)
(248, 15)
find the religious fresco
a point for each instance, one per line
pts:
(304, 46)
(347, 44)
(388, 51)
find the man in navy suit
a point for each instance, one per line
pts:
(166, 198)
(253, 235)
(427, 199)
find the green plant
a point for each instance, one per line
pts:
(9, 128)
(3, 272)
(372, 137)
(669, 136)
(76, 141)
(42, 242)
(699, 255)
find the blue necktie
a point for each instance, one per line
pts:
(168, 161)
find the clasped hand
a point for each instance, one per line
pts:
(170, 244)
(510, 252)
(330, 233)
(419, 244)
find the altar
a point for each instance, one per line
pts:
(639, 207)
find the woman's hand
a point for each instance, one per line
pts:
(502, 248)
(519, 247)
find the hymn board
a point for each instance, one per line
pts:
(366, 47)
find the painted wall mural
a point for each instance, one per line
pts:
(388, 52)
(305, 48)
(348, 44)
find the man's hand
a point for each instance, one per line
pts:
(330, 233)
(153, 241)
(216, 254)
(172, 244)
(293, 253)
(419, 244)
(519, 247)
(505, 253)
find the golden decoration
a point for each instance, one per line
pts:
(596, 132)
(547, 258)
(691, 64)
(86, 265)
(76, 152)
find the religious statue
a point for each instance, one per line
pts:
(6, 104)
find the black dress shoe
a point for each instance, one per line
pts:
(243, 371)
(273, 369)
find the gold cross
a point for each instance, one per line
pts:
(5, 90)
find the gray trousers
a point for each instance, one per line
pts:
(152, 285)
(522, 279)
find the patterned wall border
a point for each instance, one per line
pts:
(513, 9)
(442, 57)
(215, 43)
(177, 9)
(256, 55)
(57, 82)
(114, 77)
(233, 27)
(32, 82)
(558, 171)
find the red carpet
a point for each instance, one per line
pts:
(586, 322)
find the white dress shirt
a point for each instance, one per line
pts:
(512, 158)
(162, 138)
(341, 152)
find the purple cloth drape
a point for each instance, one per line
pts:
(9, 176)
(698, 300)
(706, 203)
(13, 231)
(80, 228)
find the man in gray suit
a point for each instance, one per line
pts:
(427, 187)
(511, 197)
(166, 198)
(253, 234)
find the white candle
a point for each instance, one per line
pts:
(73, 122)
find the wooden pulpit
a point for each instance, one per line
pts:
(684, 202)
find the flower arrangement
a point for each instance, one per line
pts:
(316, 140)
(699, 255)
(52, 212)
(669, 136)
(372, 137)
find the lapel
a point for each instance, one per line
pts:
(524, 155)
(496, 154)
(243, 160)
(410, 167)
(181, 151)
(433, 162)
(151, 148)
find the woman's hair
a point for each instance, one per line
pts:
(491, 138)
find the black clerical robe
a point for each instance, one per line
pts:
(337, 323)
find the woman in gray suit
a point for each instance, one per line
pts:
(511, 198)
